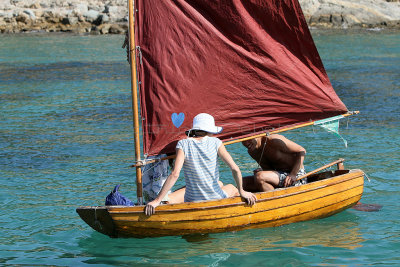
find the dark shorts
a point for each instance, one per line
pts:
(283, 175)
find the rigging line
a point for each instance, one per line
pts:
(140, 54)
(262, 153)
(154, 165)
(367, 177)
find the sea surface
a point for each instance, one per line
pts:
(66, 139)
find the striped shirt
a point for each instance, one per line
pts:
(200, 168)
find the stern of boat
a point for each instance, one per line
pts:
(98, 218)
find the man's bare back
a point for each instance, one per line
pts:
(275, 154)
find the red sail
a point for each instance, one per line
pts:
(251, 64)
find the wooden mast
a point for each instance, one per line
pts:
(135, 108)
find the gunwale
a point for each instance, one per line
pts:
(273, 208)
(233, 201)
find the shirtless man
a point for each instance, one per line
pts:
(281, 162)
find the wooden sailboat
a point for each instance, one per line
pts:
(254, 67)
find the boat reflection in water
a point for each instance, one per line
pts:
(309, 235)
(327, 234)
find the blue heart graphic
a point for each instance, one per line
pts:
(177, 119)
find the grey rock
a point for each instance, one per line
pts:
(30, 14)
(91, 15)
(336, 19)
(104, 29)
(101, 19)
(22, 17)
(350, 12)
(8, 14)
(5, 6)
(69, 20)
(80, 8)
(116, 29)
(116, 13)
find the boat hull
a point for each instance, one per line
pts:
(318, 199)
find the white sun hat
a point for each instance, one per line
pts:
(205, 122)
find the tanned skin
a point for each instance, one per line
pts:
(274, 153)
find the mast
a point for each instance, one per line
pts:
(135, 108)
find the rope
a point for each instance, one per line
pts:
(154, 165)
(140, 55)
(262, 153)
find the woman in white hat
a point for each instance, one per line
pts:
(198, 156)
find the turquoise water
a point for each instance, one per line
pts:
(66, 140)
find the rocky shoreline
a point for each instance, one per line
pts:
(110, 16)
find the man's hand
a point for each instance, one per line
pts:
(290, 179)
(249, 197)
(150, 208)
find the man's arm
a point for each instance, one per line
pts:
(299, 152)
(291, 179)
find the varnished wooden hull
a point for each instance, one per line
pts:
(314, 200)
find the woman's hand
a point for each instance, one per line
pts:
(249, 197)
(150, 208)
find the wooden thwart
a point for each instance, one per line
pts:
(339, 163)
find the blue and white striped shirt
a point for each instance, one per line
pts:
(200, 168)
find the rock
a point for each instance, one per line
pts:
(104, 29)
(69, 21)
(116, 13)
(64, 28)
(393, 24)
(343, 13)
(80, 8)
(44, 5)
(5, 6)
(84, 16)
(116, 29)
(52, 20)
(350, 20)
(22, 17)
(95, 31)
(79, 30)
(336, 20)
(39, 13)
(35, 6)
(7, 14)
(91, 15)
(30, 14)
(101, 19)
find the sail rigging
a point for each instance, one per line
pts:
(251, 64)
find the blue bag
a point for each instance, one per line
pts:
(115, 198)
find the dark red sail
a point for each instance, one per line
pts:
(251, 64)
